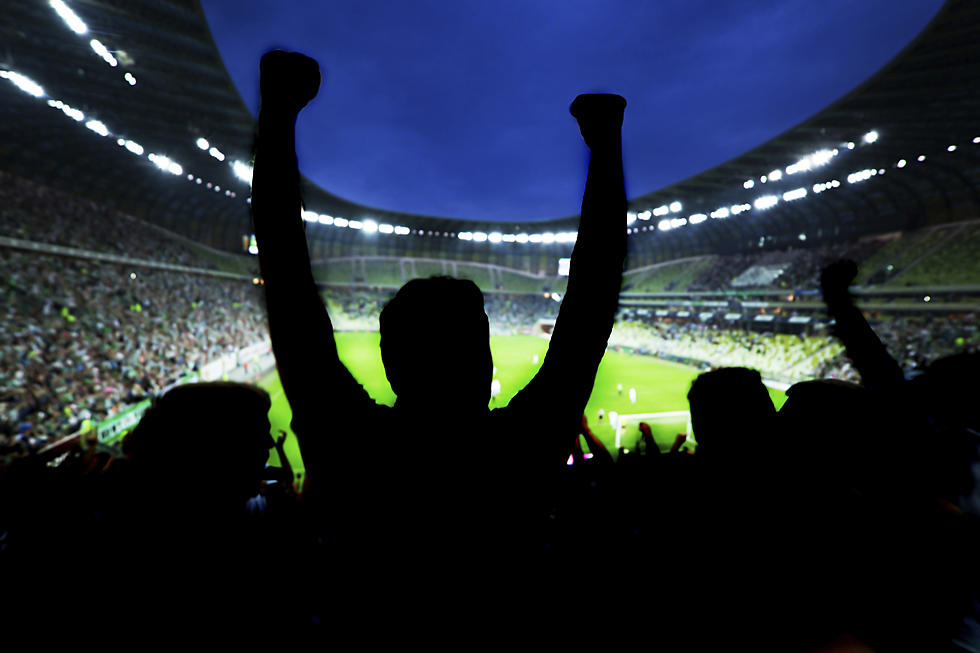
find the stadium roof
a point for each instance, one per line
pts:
(178, 92)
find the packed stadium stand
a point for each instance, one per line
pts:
(126, 272)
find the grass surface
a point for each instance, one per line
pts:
(660, 386)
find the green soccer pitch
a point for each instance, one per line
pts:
(660, 386)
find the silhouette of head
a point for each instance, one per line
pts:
(211, 438)
(729, 406)
(947, 390)
(435, 345)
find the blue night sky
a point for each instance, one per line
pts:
(459, 108)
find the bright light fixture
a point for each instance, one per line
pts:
(71, 19)
(25, 84)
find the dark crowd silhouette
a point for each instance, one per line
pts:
(845, 521)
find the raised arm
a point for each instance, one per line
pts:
(878, 370)
(585, 319)
(302, 334)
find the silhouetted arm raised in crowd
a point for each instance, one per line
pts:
(312, 375)
(878, 370)
(562, 386)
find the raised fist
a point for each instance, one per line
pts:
(836, 277)
(600, 117)
(288, 80)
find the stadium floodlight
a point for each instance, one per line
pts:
(678, 222)
(22, 82)
(216, 153)
(495, 237)
(720, 213)
(976, 139)
(340, 222)
(129, 78)
(661, 211)
(921, 158)
(835, 183)
(203, 143)
(534, 238)
(951, 148)
(861, 175)
(775, 175)
(325, 219)
(802, 236)
(523, 238)
(103, 52)
(355, 224)
(850, 145)
(465, 235)
(765, 202)
(74, 114)
(750, 183)
(370, 226)
(134, 147)
(566, 236)
(98, 127)
(242, 170)
(664, 225)
(795, 194)
(871, 137)
(675, 207)
(479, 237)
(309, 216)
(901, 163)
(386, 228)
(697, 218)
(556, 296)
(739, 208)
(818, 158)
(510, 238)
(630, 218)
(547, 238)
(71, 19)
(644, 215)
(402, 231)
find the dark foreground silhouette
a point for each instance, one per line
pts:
(420, 472)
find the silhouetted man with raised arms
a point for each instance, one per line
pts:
(449, 475)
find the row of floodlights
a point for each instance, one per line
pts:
(78, 26)
(163, 162)
(810, 161)
(367, 226)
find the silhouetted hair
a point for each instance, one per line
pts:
(725, 402)
(208, 432)
(435, 316)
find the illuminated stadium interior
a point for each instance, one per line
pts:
(128, 254)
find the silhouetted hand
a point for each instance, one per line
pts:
(836, 278)
(600, 117)
(288, 80)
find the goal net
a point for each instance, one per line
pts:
(665, 427)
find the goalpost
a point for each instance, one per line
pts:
(665, 427)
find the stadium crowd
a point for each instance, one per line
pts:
(914, 340)
(82, 339)
(39, 213)
(358, 309)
